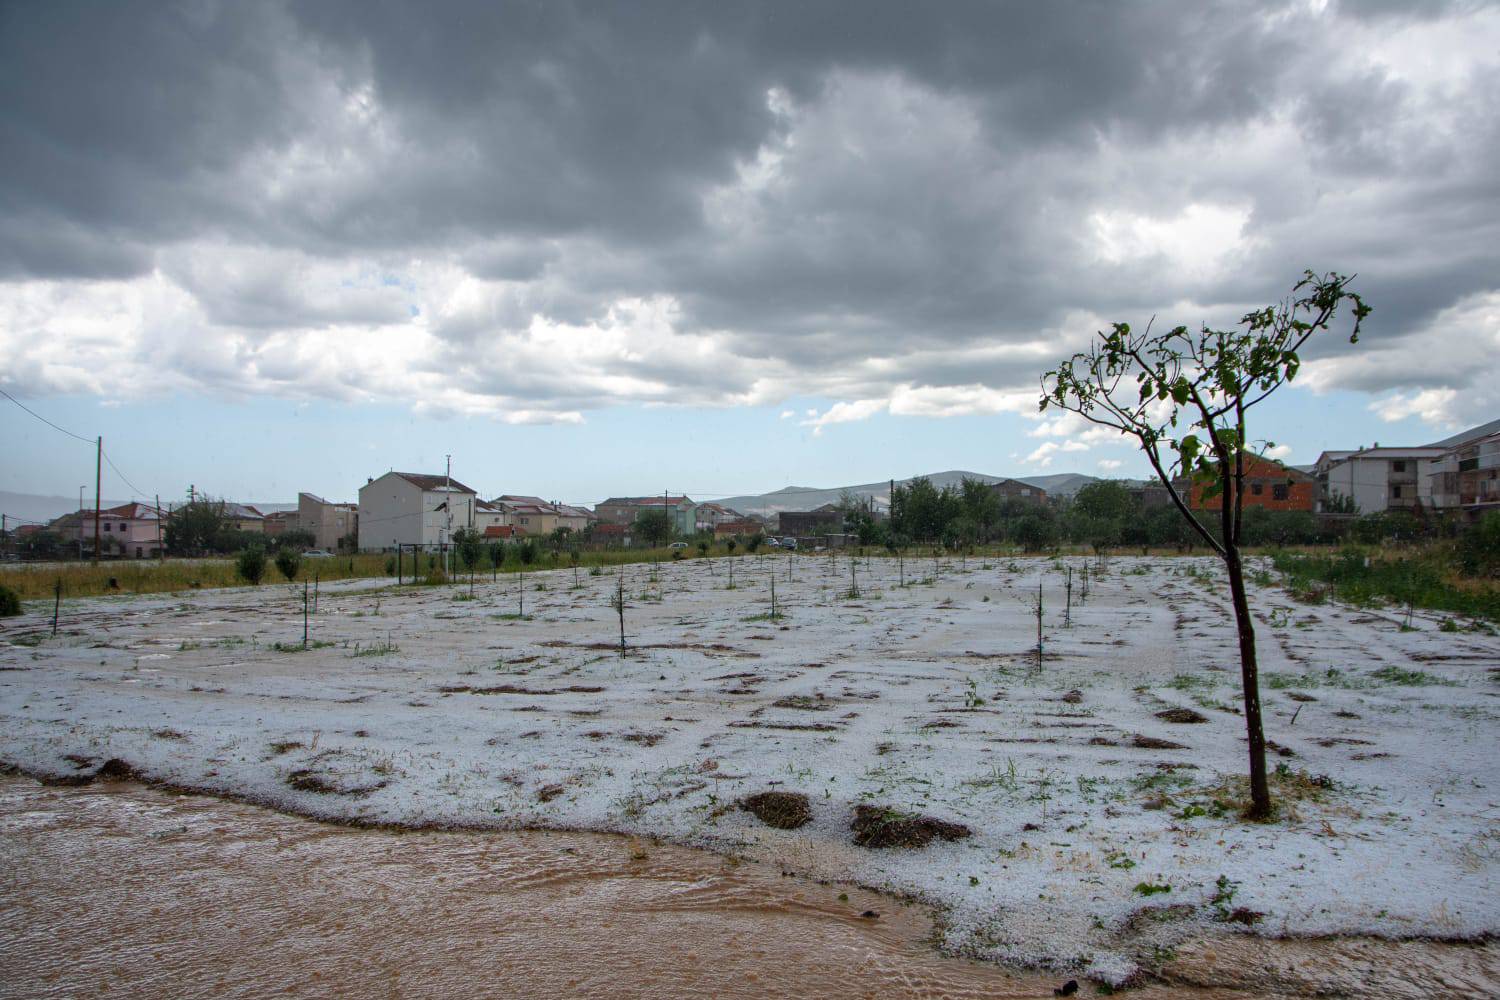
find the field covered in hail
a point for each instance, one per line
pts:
(1077, 809)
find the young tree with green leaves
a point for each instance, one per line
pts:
(1184, 397)
(654, 527)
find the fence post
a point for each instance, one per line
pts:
(304, 614)
(56, 605)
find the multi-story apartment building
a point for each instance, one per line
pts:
(413, 508)
(1467, 476)
(1376, 479)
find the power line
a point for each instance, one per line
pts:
(89, 441)
(44, 420)
(137, 490)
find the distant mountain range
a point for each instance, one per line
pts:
(811, 497)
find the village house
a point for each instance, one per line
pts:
(1268, 484)
(332, 525)
(575, 519)
(1014, 489)
(624, 510)
(531, 516)
(413, 508)
(279, 522)
(132, 530)
(709, 515)
(243, 517)
(745, 526)
(824, 520)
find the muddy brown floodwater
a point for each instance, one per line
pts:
(117, 889)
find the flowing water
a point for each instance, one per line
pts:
(120, 890)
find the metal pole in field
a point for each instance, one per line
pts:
(161, 553)
(80, 524)
(56, 605)
(98, 474)
(304, 614)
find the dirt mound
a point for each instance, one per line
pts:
(879, 826)
(116, 769)
(1181, 715)
(783, 810)
(1152, 743)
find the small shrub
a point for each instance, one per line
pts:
(288, 562)
(250, 564)
(10, 602)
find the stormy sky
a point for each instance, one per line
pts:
(503, 216)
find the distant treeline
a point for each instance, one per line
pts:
(1105, 514)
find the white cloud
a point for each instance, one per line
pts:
(1109, 464)
(1434, 407)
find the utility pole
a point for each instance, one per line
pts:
(160, 552)
(98, 475)
(448, 510)
(80, 524)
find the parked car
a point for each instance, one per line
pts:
(317, 554)
(774, 542)
(678, 545)
(789, 543)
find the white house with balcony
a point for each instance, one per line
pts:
(413, 508)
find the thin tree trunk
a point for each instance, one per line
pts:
(1260, 791)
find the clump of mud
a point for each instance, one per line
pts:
(1152, 743)
(1181, 715)
(783, 810)
(879, 826)
(116, 769)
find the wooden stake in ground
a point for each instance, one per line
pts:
(1039, 623)
(315, 592)
(56, 604)
(618, 603)
(773, 598)
(1068, 609)
(521, 592)
(304, 614)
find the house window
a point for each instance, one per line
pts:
(1256, 489)
(1396, 492)
(1398, 466)
(1280, 491)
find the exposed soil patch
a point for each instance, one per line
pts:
(1152, 743)
(881, 826)
(284, 746)
(806, 703)
(517, 689)
(816, 727)
(783, 810)
(116, 769)
(1181, 716)
(548, 792)
(168, 734)
(304, 780)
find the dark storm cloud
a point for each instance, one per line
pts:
(812, 184)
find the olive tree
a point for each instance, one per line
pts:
(1184, 396)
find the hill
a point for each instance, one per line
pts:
(810, 497)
